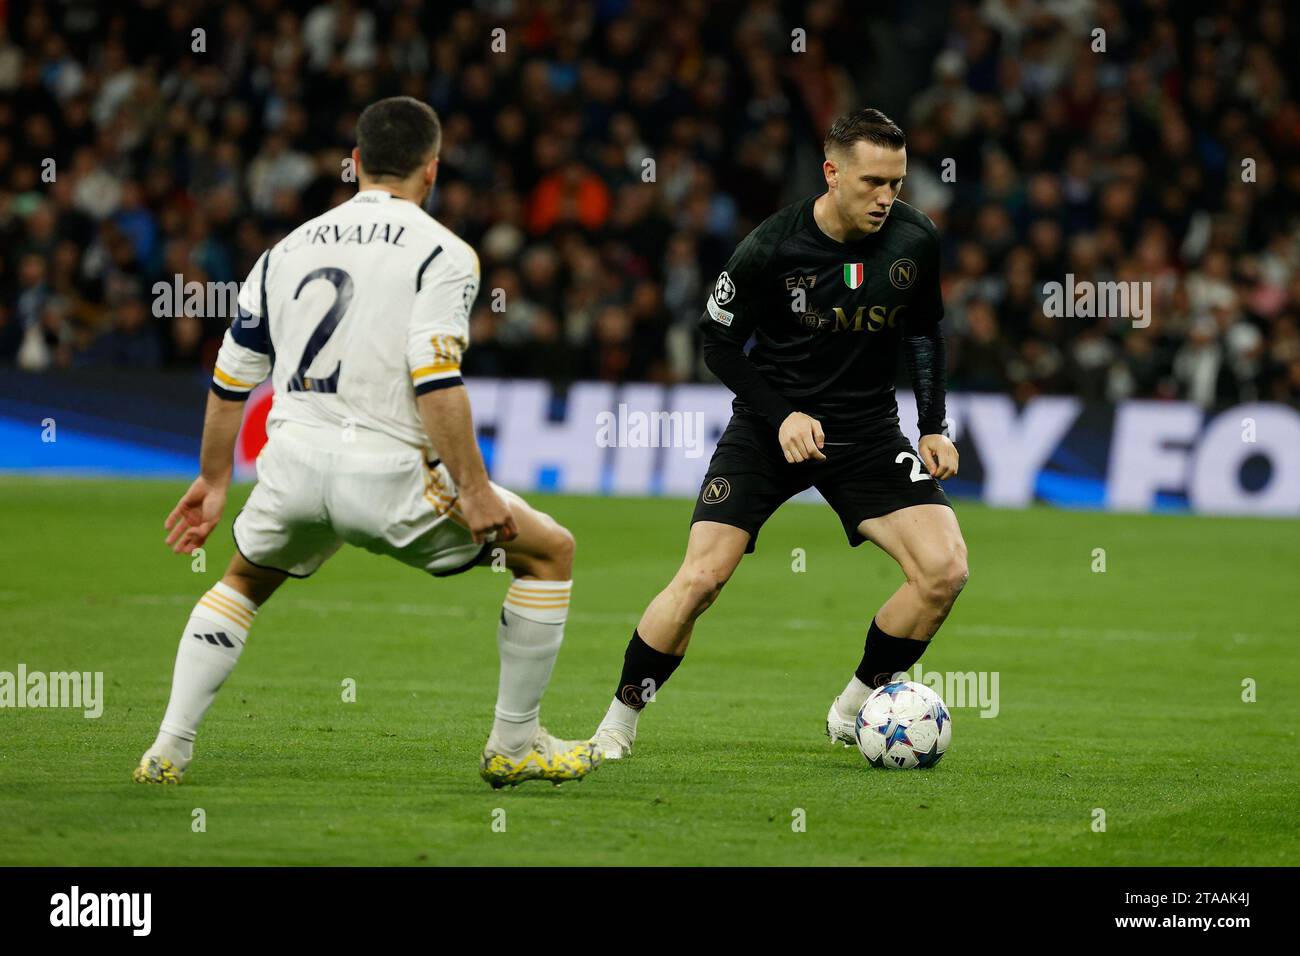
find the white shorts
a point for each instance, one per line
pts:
(311, 497)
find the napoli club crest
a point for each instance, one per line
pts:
(716, 490)
(902, 273)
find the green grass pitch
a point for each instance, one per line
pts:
(1119, 690)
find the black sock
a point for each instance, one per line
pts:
(642, 663)
(884, 656)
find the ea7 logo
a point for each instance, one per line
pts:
(103, 909)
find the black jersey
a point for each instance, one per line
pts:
(829, 320)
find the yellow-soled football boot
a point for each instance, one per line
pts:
(154, 769)
(548, 758)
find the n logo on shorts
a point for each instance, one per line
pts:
(716, 490)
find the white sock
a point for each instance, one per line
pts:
(528, 639)
(855, 695)
(622, 716)
(210, 647)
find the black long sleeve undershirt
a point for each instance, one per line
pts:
(927, 367)
(733, 368)
(924, 354)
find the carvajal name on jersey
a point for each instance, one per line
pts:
(360, 234)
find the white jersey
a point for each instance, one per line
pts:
(353, 314)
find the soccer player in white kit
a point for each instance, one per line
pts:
(360, 317)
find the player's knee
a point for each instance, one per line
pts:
(561, 547)
(256, 584)
(548, 554)
(702, 584)
(960, 574)
(941, 582)
(554, 559)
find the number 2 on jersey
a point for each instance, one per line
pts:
(342, 283)
(917, 473)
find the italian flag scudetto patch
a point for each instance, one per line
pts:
(853, 274)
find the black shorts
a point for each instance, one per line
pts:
(749, 478)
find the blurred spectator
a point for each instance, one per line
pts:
(131, 340)
(607, 161)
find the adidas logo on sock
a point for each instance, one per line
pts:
(218, 638)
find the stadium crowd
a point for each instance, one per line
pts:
(143, 139)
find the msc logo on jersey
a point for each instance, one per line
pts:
(877, 317)
(724, 290)
(902, 273)
(716, 490)
(853, 274)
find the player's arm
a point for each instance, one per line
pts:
(726, 326)
(242, 364)
(450, 426)
(926, 359)
(438, 336)
(200, 508)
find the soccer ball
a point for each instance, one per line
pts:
(903, 725)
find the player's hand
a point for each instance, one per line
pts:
(195, 515)
(801, 438)
(939, 454)
(487, 514)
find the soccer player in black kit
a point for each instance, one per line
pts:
(832, 288)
